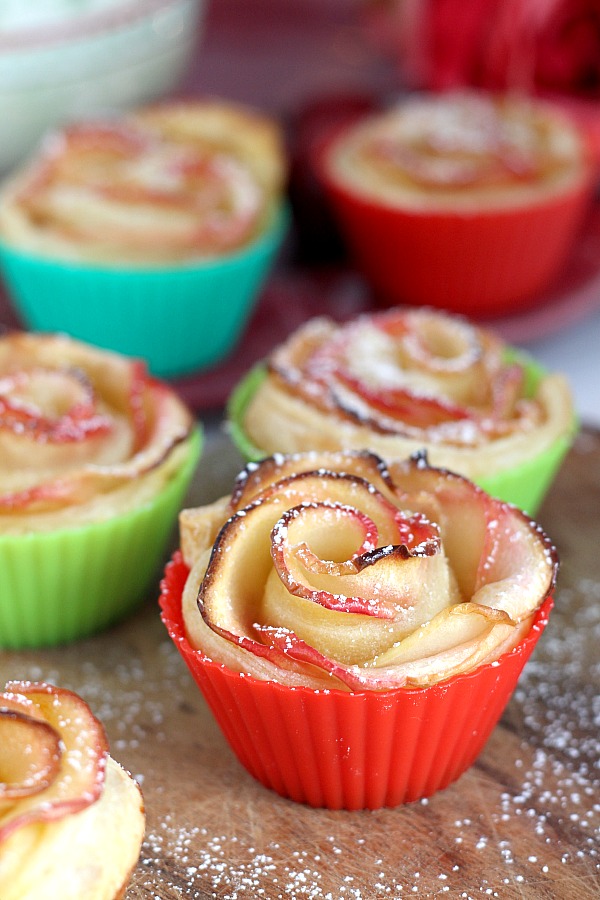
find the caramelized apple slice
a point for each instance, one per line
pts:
(89, 423)
(500, 557)
(29, 754)
(401, 380)
(366, 582)
(79, 775)
(257, 477)
(321, 572)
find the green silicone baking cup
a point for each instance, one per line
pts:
(180, 319)
(59, 586)
(525, 486)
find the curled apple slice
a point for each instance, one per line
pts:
(257, 477)
(320, 572)
(165, 184)
(63, 800)
(30, 755)
(401, 380)
(50, 405)
(77, 773)
(93, 426)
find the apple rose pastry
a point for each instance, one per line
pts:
(462, 149)
(399, 381)
(330, 575)
(162, 185)
(466, 201)
(96, 457)
(149, 234)
(71, 819)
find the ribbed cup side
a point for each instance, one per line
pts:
(478, 262)
(56, 587)
(179, 319)
(351, 751)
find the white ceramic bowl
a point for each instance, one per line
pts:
(61, 61)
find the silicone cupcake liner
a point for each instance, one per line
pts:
(484, 263)
(237, 405)
(351, 751)
(525, 485)
(179, 319)
(59, 586)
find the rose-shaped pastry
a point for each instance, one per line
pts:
(399, 381)
(380, 578)
(332, 575)
(96, 456)
(71, 819)
(98, 434)
(165, 184)
(150, 233)
(460, 150)
(465, 200)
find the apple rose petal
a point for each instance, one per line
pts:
(497, 552)
(401, 380)
(294, 648)
(461, 510)
(384, 581)
(257, 477)
(514, 562)
(83, 752)
(322, 576)
(91, 423)
(29, 754)
(228, 651)
(127, 185)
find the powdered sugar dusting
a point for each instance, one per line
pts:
(524, 821)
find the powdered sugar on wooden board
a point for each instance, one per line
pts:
(523, 822)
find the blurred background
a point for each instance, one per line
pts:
(311, 63)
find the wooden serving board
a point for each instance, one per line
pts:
(524, 822)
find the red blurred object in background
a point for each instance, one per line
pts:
(545, 47)
(482, 261)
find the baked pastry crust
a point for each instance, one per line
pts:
(333, 570)
(100, 436)
(400, 381)
(71, 829)
(168, 183)
(463, 150)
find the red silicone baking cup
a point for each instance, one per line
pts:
(351, 750)
(483, 263)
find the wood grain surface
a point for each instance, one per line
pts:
(524, 822)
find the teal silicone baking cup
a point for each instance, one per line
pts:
(59, 586)
(180, 319)
(525, 485)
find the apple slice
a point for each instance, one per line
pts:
(79, 775)
(30, 754)
(323, 573)
(89, 422)
(50, 405)
(256, 478)
(404, 377)
(499, 556)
